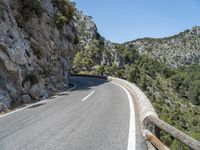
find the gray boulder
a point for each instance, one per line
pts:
(26, 99)
(5, 99)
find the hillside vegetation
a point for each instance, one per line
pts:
(166, 69)
(180, 49)
(174, 93)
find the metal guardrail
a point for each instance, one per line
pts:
(149, 120)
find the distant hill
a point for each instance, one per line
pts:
(174, 51)
(180, 49)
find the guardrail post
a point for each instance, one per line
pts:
(155, 141)
(149, 125)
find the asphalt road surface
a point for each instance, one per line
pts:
(95, 115)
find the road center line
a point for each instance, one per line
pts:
(131, 137)
(88, 96)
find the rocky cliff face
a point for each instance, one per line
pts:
(180, 49)
(34, 54)
(92, 46)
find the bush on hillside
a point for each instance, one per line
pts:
(66, 10)
(31, 7)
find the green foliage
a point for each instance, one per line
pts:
(100, 70)
(186, 82)
(37, 51)
(85, 60)
(132, 73)
(66, 11)
(171, 91)
(194, 92)
(76, 40)
(32, 78)
(31, 7)
(176, 145)
(2, 47)
(60, 20)
(129, 55)
(20, 20)
(110, 70)
(94, 52)
(81, 62)
(2, 9)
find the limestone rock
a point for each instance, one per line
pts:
(34, 53)
(5, 99)
(38, 92)
(26, 99)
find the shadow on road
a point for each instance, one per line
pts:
(86, 83)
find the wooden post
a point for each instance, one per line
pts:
(182, 137)
(155, 141)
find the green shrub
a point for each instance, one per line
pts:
(37, 51)
(186, 82)
(20, 21)
(76, 40)
(32, 78)
(100, 70)
(31, 7)
(2, 47)
(82, 62)
(66, 10)
(194, 92)
(132, 73)
(2, 10)
(60, 20)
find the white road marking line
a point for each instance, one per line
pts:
(12, 112)
(132, 134)
(88, 96)
(29, 105)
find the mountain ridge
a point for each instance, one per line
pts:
(176, 50)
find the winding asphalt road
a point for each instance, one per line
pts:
(93, 116)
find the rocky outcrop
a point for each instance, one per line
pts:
(180, 49)
(34, 54)
(90, 41)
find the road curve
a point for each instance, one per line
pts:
(93, 116)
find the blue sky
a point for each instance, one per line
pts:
(125, 20)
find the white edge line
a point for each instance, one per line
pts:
(88, 96)
(42, 101)
(132, 134)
